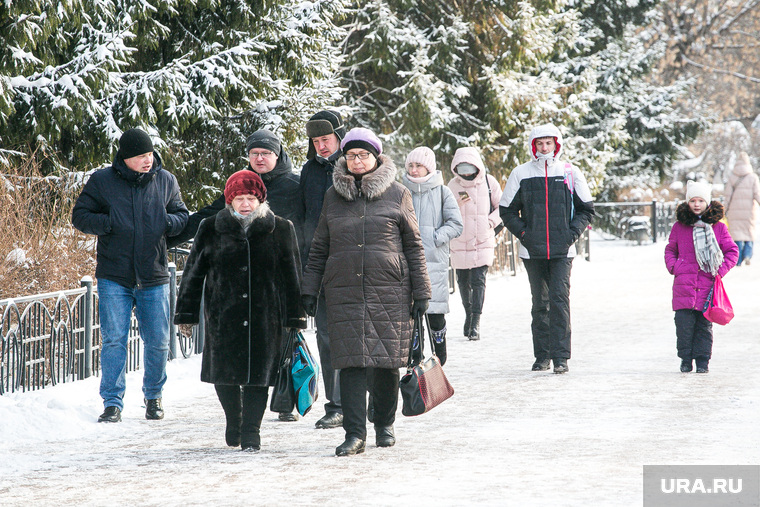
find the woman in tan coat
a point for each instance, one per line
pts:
(742, 191)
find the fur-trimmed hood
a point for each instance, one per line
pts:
(712, 215)
(373, 184)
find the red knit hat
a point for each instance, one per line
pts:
(242, 183)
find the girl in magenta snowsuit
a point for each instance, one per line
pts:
(699, 247)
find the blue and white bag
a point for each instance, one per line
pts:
(305, 375)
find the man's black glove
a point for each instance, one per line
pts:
(419, 307)
(309, 304)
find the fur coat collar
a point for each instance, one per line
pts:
(372, 184)
(712, 214)
(263, 223)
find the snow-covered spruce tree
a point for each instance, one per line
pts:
(508, 66)
(450, 74)
(198, 74)
(633, 128)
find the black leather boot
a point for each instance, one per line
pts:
(467, 322)
(439, 339)
(254, 406)
(230, 398)
(110, 414)
(385, 436)
(474, 327)
(351, 446)
(153, 409)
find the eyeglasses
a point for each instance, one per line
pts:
(360, 156)
(260, 154)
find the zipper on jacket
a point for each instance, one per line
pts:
(546, 204)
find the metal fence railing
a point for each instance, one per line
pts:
(623, 219)
(53, 338)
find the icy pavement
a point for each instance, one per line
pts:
(509, 436)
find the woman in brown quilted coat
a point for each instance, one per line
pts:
(368, 257)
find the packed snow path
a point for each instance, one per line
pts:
(509, 436)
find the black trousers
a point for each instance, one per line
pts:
(330, 376)
(244, 405)
(550, 290)
(382, 385)
(472, 288)
(694, 337)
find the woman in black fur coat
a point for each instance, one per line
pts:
(247, 260)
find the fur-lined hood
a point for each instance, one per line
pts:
(712, 214)
(373, 184)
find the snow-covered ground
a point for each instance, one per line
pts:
(509, 436)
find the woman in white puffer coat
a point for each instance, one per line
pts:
(741, 193)
(440, 221)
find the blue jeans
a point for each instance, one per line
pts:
(745, 251)
(115, 305)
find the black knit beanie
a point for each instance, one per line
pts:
(134, 142)
(264, 139)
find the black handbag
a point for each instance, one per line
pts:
(283, 396)
(424, 386)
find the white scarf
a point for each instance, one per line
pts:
(709, 254)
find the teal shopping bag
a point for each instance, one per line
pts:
(305, 375)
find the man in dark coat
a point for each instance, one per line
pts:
(267, 158)
(276, 170)
(325, 131)
(547, 205)
(132, 206)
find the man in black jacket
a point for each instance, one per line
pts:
(547, 205)
(325, 131)
(268, 158)
(132, 206)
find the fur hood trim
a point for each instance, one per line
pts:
(373, 184)
(712, 215)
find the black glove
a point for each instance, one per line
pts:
(309, 304)
(419, 307)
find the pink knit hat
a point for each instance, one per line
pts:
(421, 155)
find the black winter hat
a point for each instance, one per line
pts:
(134, 142)
(321, 124)
(265, 139)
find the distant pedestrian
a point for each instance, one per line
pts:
(368, 254)
(698, 249)
(132, 206)
(439, 221)
(741, 193)
(244, 264)
(477, 195)
(547, 205)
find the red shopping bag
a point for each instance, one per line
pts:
(718, 308)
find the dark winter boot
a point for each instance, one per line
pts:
(560, 365)
(439, 338)
(541, 365)
(702, 364)
(474, 327)
(686, 366)
(229, 397)
(254, 406)
(416, 347)
(467, 323)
